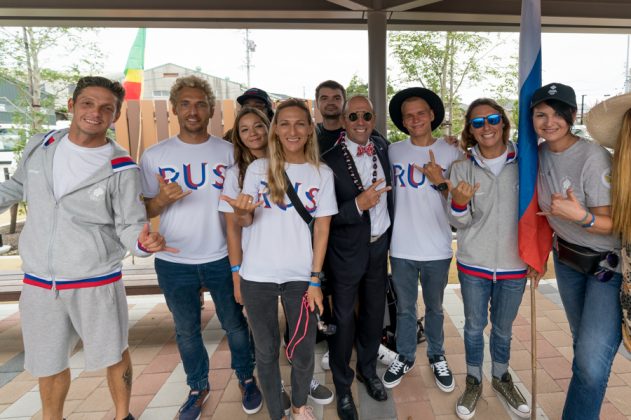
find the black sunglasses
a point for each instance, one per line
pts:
(354, 116)
(604, 275)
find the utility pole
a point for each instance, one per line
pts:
(250, 47)
(582, 106)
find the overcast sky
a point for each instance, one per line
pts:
(293, 62)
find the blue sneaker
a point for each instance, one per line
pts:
(192, 407)
(251, 398)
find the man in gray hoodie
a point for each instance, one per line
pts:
(85, 212)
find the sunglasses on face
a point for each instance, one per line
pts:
(493, 119)
(354, 116)
(604, 275)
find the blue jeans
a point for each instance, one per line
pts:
(434, 277)
(180, 284)
(593, 311)
(505, 298)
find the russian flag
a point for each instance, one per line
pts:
(535, 235)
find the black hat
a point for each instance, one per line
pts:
(427, 95)
(256, 94)
(557, 91)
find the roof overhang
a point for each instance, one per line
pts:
(607, 16)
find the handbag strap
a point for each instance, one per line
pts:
(293, 197)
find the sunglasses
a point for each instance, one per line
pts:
(604, 275)
(354, 116)
(493, 119)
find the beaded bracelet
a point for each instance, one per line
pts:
(591, 222)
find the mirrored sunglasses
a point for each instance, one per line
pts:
(354, 116)
(493, 119)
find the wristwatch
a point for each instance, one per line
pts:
(317, 274)
(442, 186)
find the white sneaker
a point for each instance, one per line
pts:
(386, 356)
(324, 363)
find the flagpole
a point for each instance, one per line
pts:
(533, 348)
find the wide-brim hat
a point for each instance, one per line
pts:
(604, 120)
(427, 95)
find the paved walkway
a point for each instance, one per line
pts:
(159, 385)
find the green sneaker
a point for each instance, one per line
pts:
(465, 408)
(511, 395)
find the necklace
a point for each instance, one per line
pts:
(352, 169)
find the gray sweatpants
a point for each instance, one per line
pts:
(261, 304)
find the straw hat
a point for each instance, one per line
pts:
(604, 120)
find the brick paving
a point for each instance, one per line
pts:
(160, 385)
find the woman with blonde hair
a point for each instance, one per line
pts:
(574, 192)
(282, 257)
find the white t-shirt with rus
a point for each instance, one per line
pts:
(279, 247)
(232, 190)
(193, 225)
(421, 230)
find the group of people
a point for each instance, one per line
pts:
(288, 206)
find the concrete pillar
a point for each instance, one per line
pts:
(377, 39)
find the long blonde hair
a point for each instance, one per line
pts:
(275, 173)
(242, 155)
(621, 181)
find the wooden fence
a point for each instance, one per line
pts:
(145, 123)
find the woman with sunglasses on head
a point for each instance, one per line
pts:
(484, 209)
(280, 256)
(574, 190)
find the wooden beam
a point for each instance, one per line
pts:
(349, 4)
(411, 5)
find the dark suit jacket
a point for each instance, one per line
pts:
(349, 237)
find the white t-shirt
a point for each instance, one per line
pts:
(496, 164)
(279, 248)
(73, 164)
(421, 229)
(193, 225)
(232, 190)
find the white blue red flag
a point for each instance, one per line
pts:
(535, 235)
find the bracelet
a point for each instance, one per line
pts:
(591, 223)
(584, 219)
(235, 268)
(314, 284)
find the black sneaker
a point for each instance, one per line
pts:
(398, 368)
(444, 378)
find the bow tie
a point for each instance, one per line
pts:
(368, 149)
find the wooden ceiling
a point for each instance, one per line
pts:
(603, 16)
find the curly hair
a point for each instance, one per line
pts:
(242, 155)
(467, 139)
(275, 174)
(191, 82)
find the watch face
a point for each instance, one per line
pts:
(442, 186)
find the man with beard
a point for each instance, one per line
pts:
(330, 97)
(182, 180)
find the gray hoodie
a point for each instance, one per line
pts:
(80, 239)
(487, 227)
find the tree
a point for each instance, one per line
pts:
(445, 62)
(53, 58)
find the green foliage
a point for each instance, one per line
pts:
(445, 62)
(44, 59)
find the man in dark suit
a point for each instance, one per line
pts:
(356, 259)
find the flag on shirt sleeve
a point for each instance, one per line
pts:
(135, 67)
(535, 235)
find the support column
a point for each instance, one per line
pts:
(377, 38)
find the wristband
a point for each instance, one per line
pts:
(314, 284)
(584, 219)
(591, 222)
(235, 268)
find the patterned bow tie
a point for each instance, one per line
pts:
(368, 149)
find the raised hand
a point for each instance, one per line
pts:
(153, 241)
(568, 207)
(432, 170)
(243, 204)
(464, 192)
(170, 192)
(371, 196)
